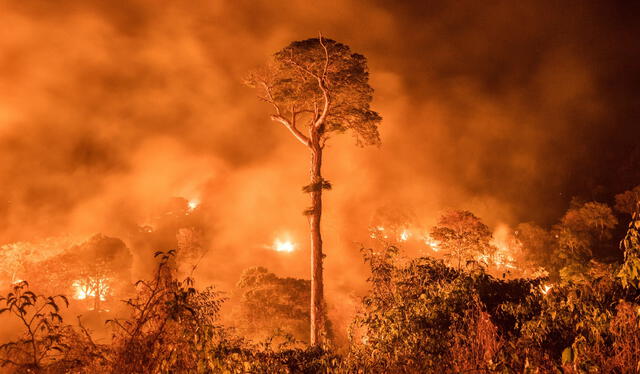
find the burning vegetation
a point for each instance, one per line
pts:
(454, 298)
(135, 248)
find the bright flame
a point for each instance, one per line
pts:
(545, 289)
(433, 244)
(193, 203)
(378, 231)
(284, 245)
(404, 235)
(502, 258)
(484, 258)
(506, 245)
(84, 289)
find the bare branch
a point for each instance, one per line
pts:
(86, 333)
(302, 68)
(321, 83)
(325, 94)
(315, 111)
(326, 57)
(294, 130)
(269, 97)
(279, 117)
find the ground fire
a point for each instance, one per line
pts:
(95, 289)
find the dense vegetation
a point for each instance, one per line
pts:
(468, 310)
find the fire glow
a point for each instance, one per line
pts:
(432, 243)
(88, 289)
(405, 235)
(193, 203)
(286, 246)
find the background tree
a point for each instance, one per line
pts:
(537, 244)
(190, 249)
(629, 273)
(592, 219)
(162, 233)
(321, 85)
(16, 259)
(583, 232)
(89, 271)
(12, 260)
(462, 236)
(270, 303)
(392, 223)
(104, 264)
(627, 202)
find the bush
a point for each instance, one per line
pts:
(420, 315)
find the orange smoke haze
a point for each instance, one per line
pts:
(108, 111)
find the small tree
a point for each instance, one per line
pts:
(629, 273)
(12, 259)
(190, 249)
(171, 326)
(42, 328)
(537, 244)
(462, 236)
(629, 201)
(270, 303)
(592, 219)
(583, 228)
(104, 262)
(320, 84)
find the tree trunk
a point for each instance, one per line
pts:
(96, 300)
(317, 284)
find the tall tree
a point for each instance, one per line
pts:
(323, 86)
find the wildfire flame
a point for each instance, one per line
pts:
(404, 235)
(280, 245)
(506, 246)
(84, 289)
(433, 244)
(378, 232)
(193, 203)
(545, 289)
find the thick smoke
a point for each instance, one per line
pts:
(107, 111)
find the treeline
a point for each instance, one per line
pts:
(420, 315)
(453, 313)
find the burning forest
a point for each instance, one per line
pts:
(336, 187)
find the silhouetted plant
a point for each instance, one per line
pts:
(168, 318)
(629, 273)
(42, 329)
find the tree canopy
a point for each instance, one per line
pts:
(463, 236)
(270, 303)
(323, 83)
